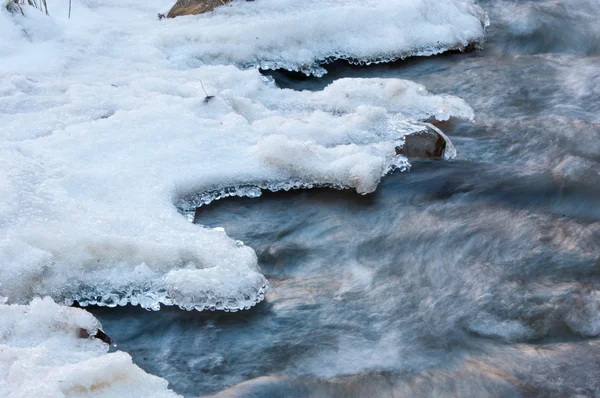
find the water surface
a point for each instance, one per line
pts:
(475, 277)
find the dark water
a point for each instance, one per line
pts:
(478, 277)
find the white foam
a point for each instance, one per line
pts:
(45, 351)
(102, 138)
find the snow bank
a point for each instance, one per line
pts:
(301, 34)
(297, 35)
(102, 137)
(43, 354)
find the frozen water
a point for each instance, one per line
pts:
(300, 35)
(102, 132)
(46, 351)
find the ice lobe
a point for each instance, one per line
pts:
(343, 164)
(95, 154)
(301, 35)
(43, 354)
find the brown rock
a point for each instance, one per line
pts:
(424, 144)
(193, 7)
(100, 335)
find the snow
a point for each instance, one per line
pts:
(107, 134)
(43, 353)
(99, 142)
(297, 35)
(301, 34)
(103, 130)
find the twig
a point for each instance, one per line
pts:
(202, 84)
(20, 8)
(208, 97)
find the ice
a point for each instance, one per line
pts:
(302, 34)
(297, 35)
(104, 134)
(101, 140)
(112, 123)
(46, 351)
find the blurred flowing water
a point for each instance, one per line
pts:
(478, 277)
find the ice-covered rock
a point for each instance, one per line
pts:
(43, 354)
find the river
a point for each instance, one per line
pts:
(475, 277)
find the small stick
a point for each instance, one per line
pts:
(20, 8)
(69, 9)
(208, 97)
(202, 84)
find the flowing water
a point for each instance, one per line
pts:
(476, 277)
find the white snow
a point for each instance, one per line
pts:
(102, 130)
(43, 354)
(292, 34)
(299, 34)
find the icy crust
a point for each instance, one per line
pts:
(301, 35)
(211, 289)
(95, 154)
(189, 203)
(46, 351)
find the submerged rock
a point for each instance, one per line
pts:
(575, 171)
(474, 382)
(500, 372)
(193, 7)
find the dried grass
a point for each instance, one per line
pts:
(39, 4)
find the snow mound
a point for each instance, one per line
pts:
(297, 35)
(301, 35)
(45, 353)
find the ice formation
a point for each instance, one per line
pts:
(46, 351)
(102, 131)
(302, 34)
